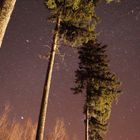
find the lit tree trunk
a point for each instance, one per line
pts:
(6, 9)
(44, 103)
(86, 125)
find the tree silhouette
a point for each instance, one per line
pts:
(101, 86)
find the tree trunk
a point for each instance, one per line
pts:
(6, 9)
(86, 125)
(44, 103)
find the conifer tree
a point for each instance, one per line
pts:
(75, 22)
(6, 9)
(101, 86)
(79, 23)
(62, 13)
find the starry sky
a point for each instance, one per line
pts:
(23, 64)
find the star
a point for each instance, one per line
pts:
(22, 118)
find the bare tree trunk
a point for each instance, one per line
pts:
(6, 9)
(86, 125)
(44, 103)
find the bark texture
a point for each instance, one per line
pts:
(6, 9)
(44, 103)
(86, 125)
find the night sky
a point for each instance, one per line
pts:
(23, 64)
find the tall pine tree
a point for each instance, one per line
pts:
(75, 22)
(101, 86)
(62, 13)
